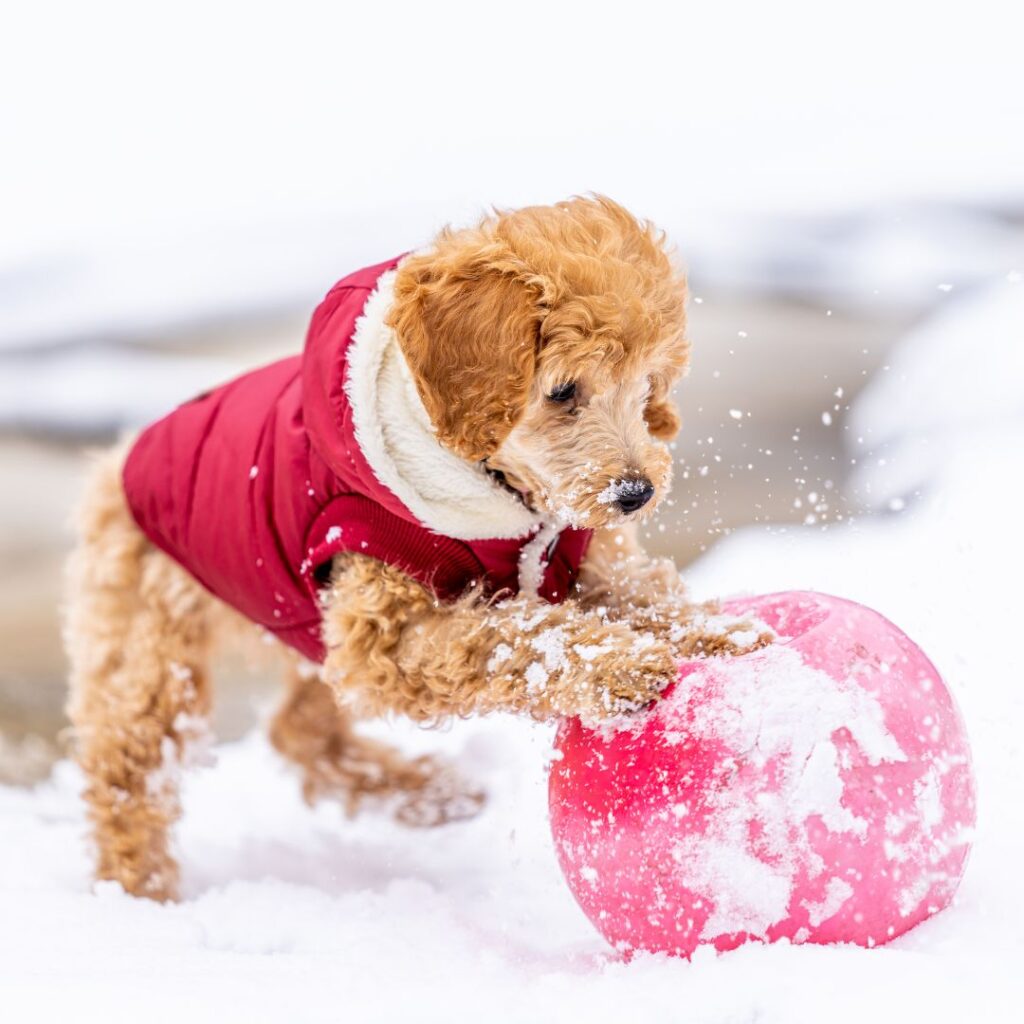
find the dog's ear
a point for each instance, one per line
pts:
(660, 413)
(469, 327)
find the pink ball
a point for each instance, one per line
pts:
(816, 790)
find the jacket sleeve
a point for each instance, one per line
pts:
(352, 523)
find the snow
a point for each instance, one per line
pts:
(837, 892)
(550, 644)
(501, 654)
(952, 380)
(775, 703)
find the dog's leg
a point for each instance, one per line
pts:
(393, 647)
(624, 582)
(137, 638)
(314, 732)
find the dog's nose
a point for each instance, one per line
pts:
(634, 494)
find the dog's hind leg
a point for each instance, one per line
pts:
(315, 733)
(137, 636)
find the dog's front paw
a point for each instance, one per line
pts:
(616, 673)
(628, 680)
(708, 632)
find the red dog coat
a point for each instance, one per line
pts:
(255, 486)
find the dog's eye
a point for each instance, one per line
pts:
(564, 392)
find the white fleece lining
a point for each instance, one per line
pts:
(444, 492)
(533, 557)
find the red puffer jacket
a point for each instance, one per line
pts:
(255, 486)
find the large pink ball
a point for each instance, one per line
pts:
(818, 790)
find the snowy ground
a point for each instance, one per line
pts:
(297, 914)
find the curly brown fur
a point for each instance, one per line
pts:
(316, 734)
(491, 321)
(392, 647)
(137, 634)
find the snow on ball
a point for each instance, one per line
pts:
(817, 790)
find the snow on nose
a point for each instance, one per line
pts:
(628, 495)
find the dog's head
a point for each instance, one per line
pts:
(545, 342)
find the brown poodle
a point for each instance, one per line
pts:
(514, 376)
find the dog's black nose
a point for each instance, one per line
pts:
(634, 494)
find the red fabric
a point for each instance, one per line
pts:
(254, 487)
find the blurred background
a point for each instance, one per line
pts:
(180, 184)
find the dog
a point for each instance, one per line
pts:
(433, 511)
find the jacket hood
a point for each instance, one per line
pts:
(365, 417)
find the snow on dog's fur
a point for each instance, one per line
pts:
(544, 343)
